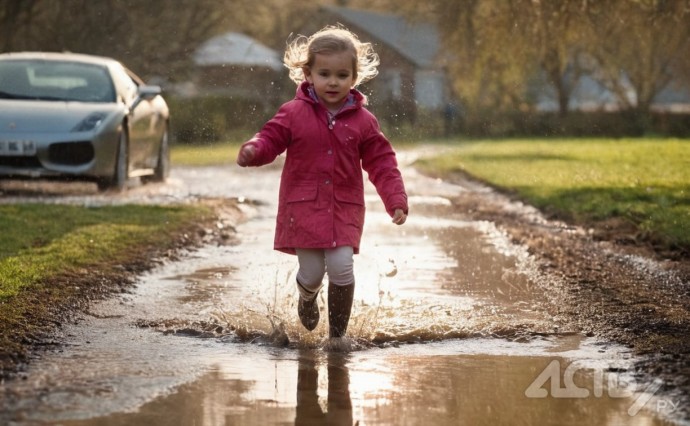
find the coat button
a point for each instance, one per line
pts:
(330, 152)
(328, 182)
(333, 243)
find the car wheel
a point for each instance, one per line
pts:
(121, 172)
(162, 169)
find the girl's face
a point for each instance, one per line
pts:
(332, 75)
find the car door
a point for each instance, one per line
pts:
(144, 126)
(146, 130)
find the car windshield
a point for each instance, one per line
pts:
(55, 81)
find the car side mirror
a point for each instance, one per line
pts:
(145, 93)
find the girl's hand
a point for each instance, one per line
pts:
(399, 217)
(246, 155)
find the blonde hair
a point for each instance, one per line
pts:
(301, 52)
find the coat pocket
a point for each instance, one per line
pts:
(303, 228)
(350, 211)
(301, 192)
(349, 195)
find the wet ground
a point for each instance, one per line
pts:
(448, 327)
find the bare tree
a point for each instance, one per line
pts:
(16, 17)
(484, 52)
(641, 45)
(154, 37)
(635, 48)
(554, 31)
(162, 36)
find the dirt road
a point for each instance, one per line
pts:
(558, 281)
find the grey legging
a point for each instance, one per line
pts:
(315, 263)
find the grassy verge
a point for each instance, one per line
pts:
(644, 183)
(54, 257)
(205, 155)
(39, 241)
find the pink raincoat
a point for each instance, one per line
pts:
(321, 199)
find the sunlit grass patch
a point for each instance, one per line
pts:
(40, 241)
(220, 153)
(643, 181)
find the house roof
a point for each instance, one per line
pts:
(416, 41)
(236, 49)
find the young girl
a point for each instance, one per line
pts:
(329, 137)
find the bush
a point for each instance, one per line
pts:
(576, 124)
(429, 124)
(212, 118)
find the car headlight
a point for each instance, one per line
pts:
(90, 123)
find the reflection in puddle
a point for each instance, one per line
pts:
(438, 384)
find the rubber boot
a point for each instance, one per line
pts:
(307, 308)
(339, 306)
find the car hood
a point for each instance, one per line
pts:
(47, 117)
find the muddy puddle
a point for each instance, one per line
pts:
(446, 329)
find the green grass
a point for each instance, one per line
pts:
(643, 181)
(204, 155)
(40, 241)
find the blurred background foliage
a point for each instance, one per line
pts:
(494, 51)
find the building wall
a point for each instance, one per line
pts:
(431, 89)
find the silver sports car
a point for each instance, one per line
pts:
(74, 116)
